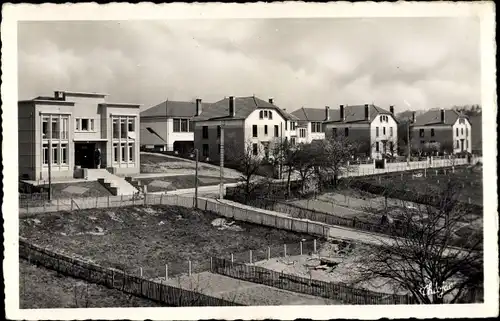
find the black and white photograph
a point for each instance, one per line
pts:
(281, 160)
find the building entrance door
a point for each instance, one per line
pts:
(84, 155)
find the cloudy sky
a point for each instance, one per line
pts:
(423, 62)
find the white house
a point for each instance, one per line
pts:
(373, 128)
(311, 123)
(450, 128)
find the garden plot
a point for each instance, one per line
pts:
(336, 262)
(148, 237)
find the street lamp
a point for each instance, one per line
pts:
(196, 179)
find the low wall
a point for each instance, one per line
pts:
(115, 279)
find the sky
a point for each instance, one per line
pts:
(411, 63)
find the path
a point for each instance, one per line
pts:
(243, 292)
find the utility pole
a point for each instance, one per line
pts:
(196, 180)
(49, 129)
(221, 162)
(281, 151)
(408, 142)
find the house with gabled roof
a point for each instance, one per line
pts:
(373, 128)
(311, 123)
(168, 126)
(248, 122)
(448, 127)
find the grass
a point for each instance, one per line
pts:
(129, 238)
(42, 288)
(151, 163)
(471, 180)
(182, 182)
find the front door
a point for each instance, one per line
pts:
(462, 145)
(84, 155)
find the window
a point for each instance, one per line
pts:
(254, 130)
(383, 130)
(422, 134)
(45, 127)
(391, 144)
(64, 153)
(334, 132)
(205, 150)
(376, 131)
(122, 152)
(55, 128)
(177, 125)
(265, 129)
(116, 129)
(205, 132)
(191, 126)
(462, 131)
(302, 132)
(422, 142)
(184, 125)
(265, 113)
(218, 131)
(130, 152)
(45, 153)
(376, 146)
(131, 125)
(85, 124)
(286, 124)
(92, 128)
(115, 152)
(346, 131)
(293, 125)
(466, 143)
(123, 129)
(255, 149)
(261, 114)
(64, 131)
(270, 115)
(457, 131)
(55, 153)
(292, 140)
(432, 132)
(392, 131)
(78, 123)
(467, 131)
(458, 142)
(315, 127)
(276, 131)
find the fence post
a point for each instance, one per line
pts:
(161, 199)
(189, 267)
(315, 246)
(268, 252)
(300, 247)
(250, 256)
(284, 246)
(232, 258)
(140, 271)
(108, 201)
(211, 264)
(166, 272)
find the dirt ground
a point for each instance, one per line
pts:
(129, 238)
(244, 292)
(181, 182)
(40, 288)
(347, 270)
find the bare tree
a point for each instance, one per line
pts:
(423, 254)
(336, 152)
(248, 160)
(303, 160)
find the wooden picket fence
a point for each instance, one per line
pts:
(116, 279)
(335, 291)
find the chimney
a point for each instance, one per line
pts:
(391, 109)
(59, 95)
(413, 117)
(443, 116)
(367, 112)
(271, 101)
(327, 113)
(342, 113)
(232, 111)
(198, 106)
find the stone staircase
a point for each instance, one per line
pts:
(114, 184)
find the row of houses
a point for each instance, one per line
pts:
(83, 130)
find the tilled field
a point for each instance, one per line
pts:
(131, 238)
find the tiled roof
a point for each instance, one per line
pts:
(356, 113)
(244, 106)
(433, 117)
(312, 114)
(171, 108)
